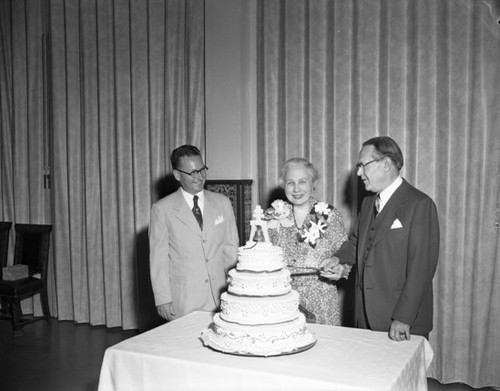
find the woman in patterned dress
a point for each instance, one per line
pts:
(308, 231)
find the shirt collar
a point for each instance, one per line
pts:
(189, 198)
(389, 191)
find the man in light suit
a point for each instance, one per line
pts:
(395, 244)
(193, 241)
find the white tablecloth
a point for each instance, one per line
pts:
(172, 357)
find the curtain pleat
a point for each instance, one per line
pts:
(24, 195)
(6, 117)
(332, 74)
(128, 88)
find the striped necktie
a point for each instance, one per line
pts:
(377, 206)
(197, 212)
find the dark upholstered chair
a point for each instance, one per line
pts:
(4, 243)
(31, 249)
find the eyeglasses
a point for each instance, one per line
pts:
(202, 171)
(363, 165)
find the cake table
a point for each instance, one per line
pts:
(172, 357)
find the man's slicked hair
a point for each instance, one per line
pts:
(386, 146)
(183, 150)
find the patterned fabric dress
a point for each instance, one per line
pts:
(317, 295)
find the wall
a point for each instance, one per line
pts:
(230, 61)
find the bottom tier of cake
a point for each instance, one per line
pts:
(259, 340)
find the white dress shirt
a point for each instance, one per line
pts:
(189, 199)
(387, 192)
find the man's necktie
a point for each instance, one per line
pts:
(377, 206)
(197, 212)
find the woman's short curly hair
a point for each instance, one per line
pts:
(298, 162)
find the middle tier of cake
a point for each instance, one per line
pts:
(251, 310)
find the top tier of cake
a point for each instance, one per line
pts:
(259, 255)
(260, 258)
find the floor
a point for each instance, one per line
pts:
(64, 356)
(55, 356)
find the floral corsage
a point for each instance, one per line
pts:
(316, 227)
(279, 214)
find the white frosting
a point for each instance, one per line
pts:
(259, 310)
(262, 340)
(260, 258)
(263, 331)
(259, 284)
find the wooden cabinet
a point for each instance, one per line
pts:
(239, 191)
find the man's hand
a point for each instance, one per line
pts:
(166, 311)
(331, 269)
(399, 331)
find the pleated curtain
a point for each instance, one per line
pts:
(125, 84)
(24, 154)
(332, 74)
(127, 88)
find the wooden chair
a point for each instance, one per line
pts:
(31, 249)
(4, 243)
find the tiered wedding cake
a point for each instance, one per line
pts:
(260, 311)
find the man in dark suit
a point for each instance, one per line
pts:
(193, 241)
(395, 244)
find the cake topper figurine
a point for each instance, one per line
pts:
(259, 235)
(258, 230)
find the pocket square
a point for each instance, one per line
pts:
(396, 224)
(219, 219)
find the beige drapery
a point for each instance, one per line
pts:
(332, 74)
(128, 88)
(24, 156)
(126, 85)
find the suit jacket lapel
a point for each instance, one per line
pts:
(210, 213)
(184, 214)
(390, 211)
